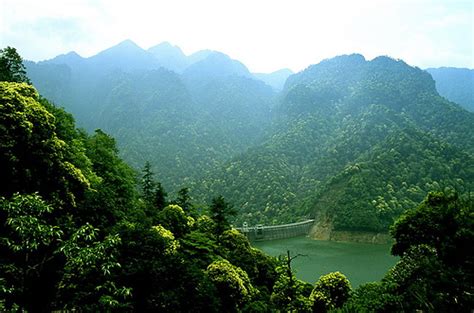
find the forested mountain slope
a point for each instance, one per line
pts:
(184, 124)
(275, 79)
(456, 84)
(77, 234)
(353, 140)
(357, 141)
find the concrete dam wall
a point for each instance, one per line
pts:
(261, 232)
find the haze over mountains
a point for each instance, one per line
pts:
(456, 84)
(353, 141)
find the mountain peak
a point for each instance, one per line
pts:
(349, 59)
(125, 55)
(127, 43)
(165, 48)
(122, 48)
(67, 58)
(217, 64)
(169, 56)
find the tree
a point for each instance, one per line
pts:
(27, 244)
(113, 191)
(232, 284)
(236, 248)
(11, 66)
(148, 183)
(184, 201)
(149, 262)
(220, 211)
(38, 255)
(373, 297)
(435, 243)
(33, 158)
(290, 294)
(175, 219)
(333, 289)
(160, 197)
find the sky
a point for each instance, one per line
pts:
(266, 35)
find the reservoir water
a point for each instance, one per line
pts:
(360, 262)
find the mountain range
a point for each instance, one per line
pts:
(350, 141)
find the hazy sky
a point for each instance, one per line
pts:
(265, 35)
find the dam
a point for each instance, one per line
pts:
(261, 232)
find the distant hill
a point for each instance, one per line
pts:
(216, 65)
(184, 124)
(350, 141)
(275, 79)
(455, 84)
(356, 142)
(170, 57)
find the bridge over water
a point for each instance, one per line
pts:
(261, 232)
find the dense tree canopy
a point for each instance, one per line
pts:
(12, 68)
(435, 271)
(78, 233)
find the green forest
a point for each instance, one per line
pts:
(377, 150)
(353, 140)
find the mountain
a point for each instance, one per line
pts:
(455, 84)
(199, 56)
(125, 56)
(276, 79)
(349, 141)
(71, 59)
(215, 65)
(355, 143)
(170, 57)
(184, 124)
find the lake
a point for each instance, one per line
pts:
(359, 262)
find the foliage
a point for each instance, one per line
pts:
(113, 191)
(330, 291)
(220, 211)
(261, 268)
(160, 195)
(33, 247)
(148, 183)
(358, 141)
(30, 151)
(76, 233)
(11, 66)
(233, 285)
(434, 241)
(372, 297)
(435, 269)
(184, 200)
(173, 218)
(289, 295)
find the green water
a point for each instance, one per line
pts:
(360, 262)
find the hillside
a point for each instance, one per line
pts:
(353, 140)
(184, 124)
(79, 233)
(275, 79)
(359, 141)
(455, 84)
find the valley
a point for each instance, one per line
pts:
(367, 150)
(271, 157)
(358, 141)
